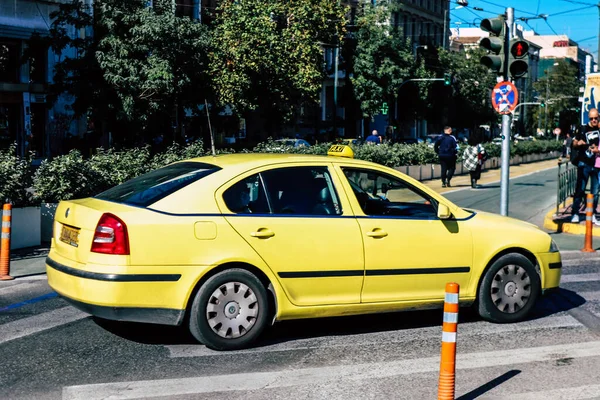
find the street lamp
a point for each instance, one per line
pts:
(461, 4)
(549, 71)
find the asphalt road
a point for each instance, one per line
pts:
(51, 351)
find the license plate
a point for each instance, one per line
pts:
(70, 236)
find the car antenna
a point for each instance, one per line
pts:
(212, 138)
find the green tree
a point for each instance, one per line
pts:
(136, 64)
(383, 60)
(472, 84)
(558, 89)
(269, 54)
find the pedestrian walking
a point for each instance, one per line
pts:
(567, 143)
(474, 157)
(584, 154)
(373, 138)
(446, 148)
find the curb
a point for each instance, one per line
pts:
(566, 226)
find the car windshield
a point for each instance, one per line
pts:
(156, 185)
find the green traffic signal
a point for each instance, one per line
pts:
(447, 79)
(543, 104)
(494, 44)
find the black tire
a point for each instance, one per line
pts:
(509, 289)
(253, 312)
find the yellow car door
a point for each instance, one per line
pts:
(410, 254)
(296, 220)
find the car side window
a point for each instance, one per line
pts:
(301, 191)
(382, 194)
(247, 197)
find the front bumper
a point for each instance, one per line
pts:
(124, 293)
(551, 268)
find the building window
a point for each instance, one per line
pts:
(9, 61)
(187, 8)
(38, 62)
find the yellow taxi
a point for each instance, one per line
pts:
(229, 244)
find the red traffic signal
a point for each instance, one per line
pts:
(519, 49)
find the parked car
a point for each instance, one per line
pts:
(410, 140)
(229, 244)
(293, 142)
(348, 141)
(432, 138)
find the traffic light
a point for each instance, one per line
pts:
(518, 64)
(543, 104)
(495, 44)
(447, 79)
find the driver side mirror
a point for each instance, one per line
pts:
(443, 212)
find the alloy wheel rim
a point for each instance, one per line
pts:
(511, 289)
(232, 310)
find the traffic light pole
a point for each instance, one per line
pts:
(506, 119)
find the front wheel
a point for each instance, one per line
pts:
(509, 289)
(230, 310)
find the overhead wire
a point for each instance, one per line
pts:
(504, 6)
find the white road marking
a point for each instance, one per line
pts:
(37, 277)
(399, 336)
(322, 375)
(590, 296)
(572, 393)
(580, 278)
(17, 287)
(41, 322)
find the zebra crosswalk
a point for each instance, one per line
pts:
(387, 360)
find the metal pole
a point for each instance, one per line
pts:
(335, 87)
(598, 28)
(505, 172)
(547, 105)
(212, 136)
(445, 22)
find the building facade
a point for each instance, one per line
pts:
(560, 47)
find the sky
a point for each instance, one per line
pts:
(578, 19)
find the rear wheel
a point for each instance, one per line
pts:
(509, 289)
(230, 310)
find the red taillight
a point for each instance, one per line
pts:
(111, 236)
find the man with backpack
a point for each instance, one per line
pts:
(583, 155)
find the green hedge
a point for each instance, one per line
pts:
(72, 176)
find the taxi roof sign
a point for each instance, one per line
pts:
(340, 150)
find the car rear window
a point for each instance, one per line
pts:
(151, 187)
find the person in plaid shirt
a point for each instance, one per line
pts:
(473, 158)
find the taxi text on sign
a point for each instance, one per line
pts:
(505, 97)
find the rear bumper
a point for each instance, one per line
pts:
(124, 293)
(163, 316)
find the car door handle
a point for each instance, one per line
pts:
(377, 233)
(262, 233)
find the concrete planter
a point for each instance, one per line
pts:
(403, 169)
(427, 172)
(25, 227)
(436, 172)
(414, 171)
(47, 219)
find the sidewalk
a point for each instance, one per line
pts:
(28, 262)
(491, 176)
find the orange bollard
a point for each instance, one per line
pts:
(5, 244)
(449, 329)
(589, 212)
